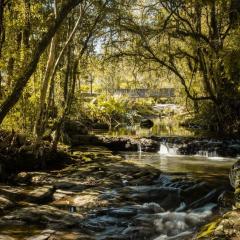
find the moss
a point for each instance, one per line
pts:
(237, 198)
(86, 159)
(207, 230)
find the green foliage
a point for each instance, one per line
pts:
(135, 45)
(114, 110)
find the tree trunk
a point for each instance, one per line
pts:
(39, 126)
(67, 107)
(50, 102)
(27, 27)
(23, 79)
(1, 25)
(67, 75)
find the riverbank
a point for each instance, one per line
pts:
(20, 153)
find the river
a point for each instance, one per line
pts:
(139, 196)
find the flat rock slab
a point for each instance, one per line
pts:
(5, 237)
(43, 215)
(78, 202)
(5, 203)
(41, 194)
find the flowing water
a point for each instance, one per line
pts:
(203, 165)
(145, 196)
(180, 222)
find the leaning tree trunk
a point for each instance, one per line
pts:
(1, 25)
(39, 126)
(23, 79)
(58, 59)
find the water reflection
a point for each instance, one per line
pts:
(162, 127)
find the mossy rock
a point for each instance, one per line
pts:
(237, 198)
(207, 231)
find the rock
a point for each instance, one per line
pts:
(149, 145)
(146, 123)
(72, 128)
(119, 143)
(74, 202)
(41, 194)
(166, 197)
(234, 177)
(5, 237)
(152, 207)
(78, 140)
(128, 144)
(229, 226)
(5, 203)
(23, 177)
(51, 217)
(123, 212)
(234, 174)
(226, 200)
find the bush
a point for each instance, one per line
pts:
(114, 110)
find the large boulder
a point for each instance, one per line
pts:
(235, 182)
(71, 129)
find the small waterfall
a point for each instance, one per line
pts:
(139, 147)
(202, 153)
(207, 154)
(165, 149)
(213, 154)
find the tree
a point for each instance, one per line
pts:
(23, 78)
(192, 39)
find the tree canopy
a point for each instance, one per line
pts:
(50, 50)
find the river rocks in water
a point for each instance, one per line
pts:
(75, 202)
(119, 143)
(166, 197)
(202, 146)
(227, 227)
(116, 199)
(226, 199)
(59, 235)
(128, 144)
(41, 194)
(5, 237)
(234, 177)
(23, 177)
(146, 123)
(5, 203)
(44, 235)
(116, 143)
(148, 145)
(43, 215)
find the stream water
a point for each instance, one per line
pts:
(203, 166)
(144, 196)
